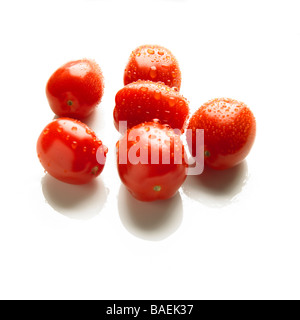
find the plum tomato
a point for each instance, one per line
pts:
(155, 63)
(151, 161)
(70, 151)
(229, 132)
(143, 101)
(75, 89)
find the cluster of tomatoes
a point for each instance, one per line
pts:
(152, 116)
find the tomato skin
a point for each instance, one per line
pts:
(75, 89)
(229, 132)
(150, 178)
(154, 63)
(143, 101)
(68, 151)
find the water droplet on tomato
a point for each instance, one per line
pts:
(105, 150)
(150, 51)
(157, 95)
(153, 72)
(74, 128)
(74, 145)
(172, 101)
(144, 89)
(59, 129)
(46, 131)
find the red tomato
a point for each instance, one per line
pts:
(75, 89)
(229, 132)
(70, 151)
(143, 101)
(155, 63)
(151, 161)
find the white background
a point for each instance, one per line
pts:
(228, 235)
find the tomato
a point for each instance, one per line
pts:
(143, 101)
(155, 63)
(75, 89)
(229, 132)
(151, 161)
(70, 151)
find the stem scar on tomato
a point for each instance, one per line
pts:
(70, 103)
(206, 153)
(95, 170)
(157, 188)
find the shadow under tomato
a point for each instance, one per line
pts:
(216, 188)
(80, 202)
(153, 221)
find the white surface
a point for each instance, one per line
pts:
(236, 239)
